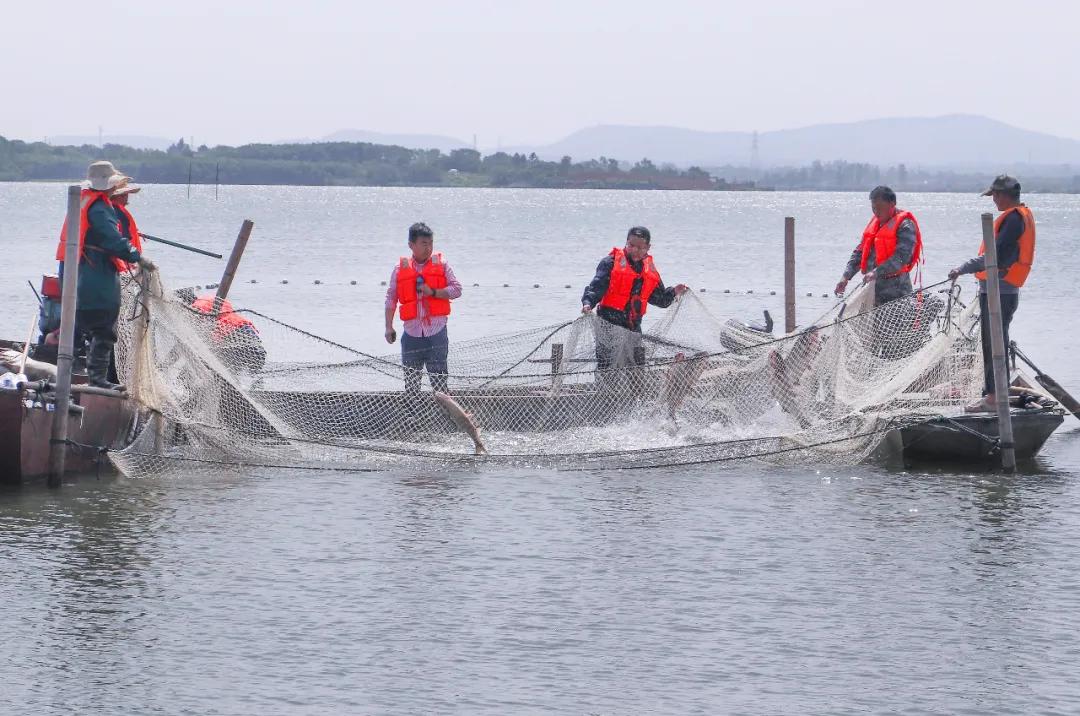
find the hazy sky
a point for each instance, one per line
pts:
(231, 71)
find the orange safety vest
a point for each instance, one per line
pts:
(227, 322)
(621, 284)
(1018, 272)
(136, 240)
(86, 200)
(883, 238)
(434, 273)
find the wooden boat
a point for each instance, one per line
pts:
(973, 438)
(26, 429)
(969, 438)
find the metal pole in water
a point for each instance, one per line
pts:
(997, 347)
(65, 354)
(789, 274)
(234, 261)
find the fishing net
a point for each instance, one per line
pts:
(692, 388)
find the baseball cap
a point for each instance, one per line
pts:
(1004, 183)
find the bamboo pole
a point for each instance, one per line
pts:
(65, 354)
(234, 261)
(997, 347)
(789, 274)
(26, 347)
(178, 245)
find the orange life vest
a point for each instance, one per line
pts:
(434, 274)
(1018, 272)
(882, 237)
(135, 239)
(227, 322)
(86, 200)
(621, 285)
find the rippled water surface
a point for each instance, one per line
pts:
(741, 589)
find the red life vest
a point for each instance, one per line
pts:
(621, 284)
(86, 200)
(1018, 272)
(434, 273)
(135, 239)
(883, 239)
(227, 322)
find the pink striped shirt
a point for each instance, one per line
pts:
(424, 325)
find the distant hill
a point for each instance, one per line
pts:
(958, 141)
(127, 140)
(409, 141)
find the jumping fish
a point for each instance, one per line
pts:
(681, 377)
(34, 370)
(461, 418)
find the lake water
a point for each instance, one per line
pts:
(736, 589)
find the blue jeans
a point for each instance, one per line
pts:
(426, 352)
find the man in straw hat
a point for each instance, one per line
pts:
(103, 253)
(120, 197)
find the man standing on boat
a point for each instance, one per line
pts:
(626, 282)
(103, 253)
(120, 197)
(890, 247)
(1014, 235)
(423, 285)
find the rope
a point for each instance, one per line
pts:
(554, 328)
(709, 461)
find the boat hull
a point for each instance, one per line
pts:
(25, 433)
(973, 438)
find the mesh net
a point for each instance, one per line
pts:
(582, 394)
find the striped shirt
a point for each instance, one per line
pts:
(424, 325)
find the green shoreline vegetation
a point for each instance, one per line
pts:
(365, 164)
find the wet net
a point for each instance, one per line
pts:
(581, 394)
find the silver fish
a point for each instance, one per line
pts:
(34, 370)
(681, 377)
(462, 419)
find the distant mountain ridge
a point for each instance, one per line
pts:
(957, 140)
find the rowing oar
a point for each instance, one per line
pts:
(1051, 385)
(178, 245)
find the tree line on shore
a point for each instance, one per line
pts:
(365, 164)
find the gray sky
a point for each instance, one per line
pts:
(232, 71)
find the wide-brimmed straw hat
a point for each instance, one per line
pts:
(102, 176)
(126, 187)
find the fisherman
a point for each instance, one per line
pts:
(423, 284)
(626, 281)
(1014, 236)
(120, 197)
(234, 337)
(103, 253)
(891, 246)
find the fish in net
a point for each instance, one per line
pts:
(692, 388)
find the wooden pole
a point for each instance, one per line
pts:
(789, 274)
(556, 359)
(217, 177)
(234, 261)
(65, 354)
(997, 347)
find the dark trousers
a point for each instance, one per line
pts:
(98, 326)
(1009, 302)
(418, 353)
